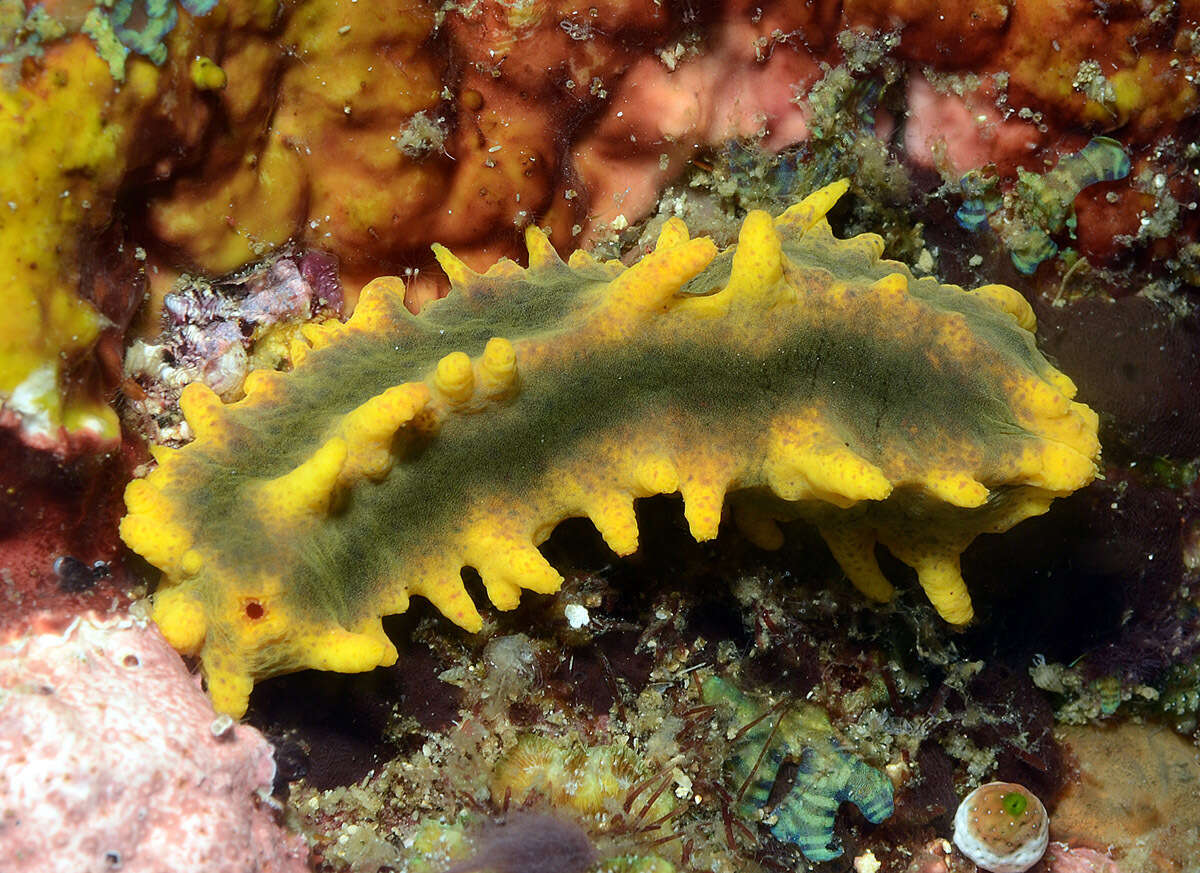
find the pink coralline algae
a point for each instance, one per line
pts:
(111, 758)
(1061, 858)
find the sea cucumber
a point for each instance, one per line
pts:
(799, 374)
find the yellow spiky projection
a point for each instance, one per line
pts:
(795, 375)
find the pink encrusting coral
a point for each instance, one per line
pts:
(1061, 858)
(111, 758)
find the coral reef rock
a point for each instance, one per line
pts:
(111, 759)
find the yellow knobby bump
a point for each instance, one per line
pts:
(378, 303)
(654, 280)
(505, 268)
(206, 74)
(164, 456)
(869, 244)
(613, 516)
(1075, 430)
(455, 377)
(1009, 300)
(191, 563)
(204, 411)
(533, 571)
(459, 274)
(581, 260)
(673, 233)
(320, 334)
(799, 219)
(656, 475)
(756, 272)
(507, 565)
(497, 366)
(1023, 503)
(939, 574)
(149, 530)
(957, 489)
(143, 498)
(757, 526)
(803, 463)
(839, 472)
(702, 503)
(297, 349)
(1035, 401)
(1057, 467)
(444, 589)
(261, 382)
(180, 617)
(345, 651)
(1062, 382)
(370, 429)
(502, 591)
(229, 688)
(541, 252)
(892, 288)
(785, 476)
(304, 494)
(854, 550)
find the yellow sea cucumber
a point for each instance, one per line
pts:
(794, 375)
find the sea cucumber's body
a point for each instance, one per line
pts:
(797, 373)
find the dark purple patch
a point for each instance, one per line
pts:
(1020, 726)
(930, 797)
(1098, 578)
(320, 271)
(592, 675)
(429, 700)
(342, 722)
(528, 841)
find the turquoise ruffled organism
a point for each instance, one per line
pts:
(23, 32)
(826, 775)
(1039, 205)
(119, 27)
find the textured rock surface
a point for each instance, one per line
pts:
(112, 758)
(1136, 792)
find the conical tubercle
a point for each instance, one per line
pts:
(938, 572)
(305, 494)
(542, 254)
(508, 565)
(370, 429)
(854, 550)
(756, 274)
(651, 283)
(460, 275)
(150, 529)
(459, 380)
(204, 411)
(378, 303)
(803, 216)
(757, 262)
